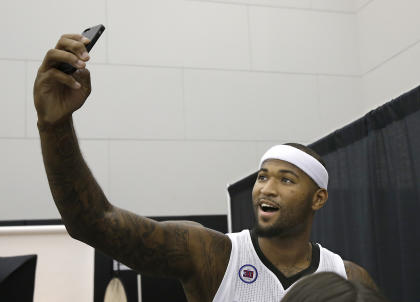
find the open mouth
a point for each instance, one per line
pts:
(267, 208)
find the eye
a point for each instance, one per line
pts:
(261, 177)
(287, 180)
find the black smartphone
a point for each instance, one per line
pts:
(93, 34)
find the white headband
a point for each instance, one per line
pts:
(300, 159)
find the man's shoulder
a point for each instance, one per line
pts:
(243, 232)
(358, 273)
(353, 269)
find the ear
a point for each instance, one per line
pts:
(319, 199)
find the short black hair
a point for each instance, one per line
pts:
(309, 151)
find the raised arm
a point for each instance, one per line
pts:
(195, 255)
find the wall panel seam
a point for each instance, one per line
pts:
(202, 68)
(389, 59)
(332, 11)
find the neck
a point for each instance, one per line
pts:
(287, 251)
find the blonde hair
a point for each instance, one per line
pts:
(115, 291)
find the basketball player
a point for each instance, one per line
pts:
(249, 266)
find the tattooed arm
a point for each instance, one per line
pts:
(182, 250)
(357, 273)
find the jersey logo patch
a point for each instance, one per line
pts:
(248, 273)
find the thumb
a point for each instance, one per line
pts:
(83, 77)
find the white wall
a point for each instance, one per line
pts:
(187, 94)
(389, 36)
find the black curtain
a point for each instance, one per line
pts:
(241, 211)
(372, 215)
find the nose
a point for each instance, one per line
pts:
(269, 188)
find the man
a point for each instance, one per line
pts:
(211, 266)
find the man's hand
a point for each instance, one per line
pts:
(56, 94)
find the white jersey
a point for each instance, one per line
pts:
(250, 277)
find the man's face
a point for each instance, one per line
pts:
(282, 199)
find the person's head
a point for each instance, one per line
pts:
(330, 287)
(291, 186)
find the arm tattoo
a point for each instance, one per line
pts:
(150, 247)
(74, 189)
(145, 245)
(213, 257)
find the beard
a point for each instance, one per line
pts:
(278, 229)
(289, 222)
(268, 232)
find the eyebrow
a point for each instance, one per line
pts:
(289, 171)
(280, 171)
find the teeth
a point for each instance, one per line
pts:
(268, 206)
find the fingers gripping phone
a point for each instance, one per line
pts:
(93, 34)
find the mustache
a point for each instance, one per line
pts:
(261, 200)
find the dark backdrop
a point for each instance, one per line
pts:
(372, 215)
